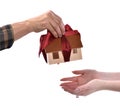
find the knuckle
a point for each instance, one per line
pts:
(43, 25)
(49, 13)
(46, 16)
(59, 21)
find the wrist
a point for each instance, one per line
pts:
(33, 25)
(110, 85)
(21, 29)
(29, 25)
(107, 85)
(102, 75)
(102, 85)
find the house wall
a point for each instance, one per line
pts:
(51, 60)
(76, 55)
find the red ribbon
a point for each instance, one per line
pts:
(66, 49)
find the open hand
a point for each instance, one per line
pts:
(82, 78)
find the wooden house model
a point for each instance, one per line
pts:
(54, 49)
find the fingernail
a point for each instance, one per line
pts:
(61, 84)
(63, 33)
(56, 36)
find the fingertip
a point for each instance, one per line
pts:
(65, 79)
(60, 35)
(62, 79)
(75, 72)
(54, 33)
(62, 27)
(63, 31)
(55, 36)
(60, 85)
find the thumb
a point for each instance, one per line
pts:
(77, 90)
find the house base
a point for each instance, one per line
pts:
(57, 57)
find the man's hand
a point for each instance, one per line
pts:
(49, 21)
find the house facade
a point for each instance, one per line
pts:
(54, 52)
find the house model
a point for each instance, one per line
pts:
(54, 52)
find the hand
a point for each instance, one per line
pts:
(50, 21)
(90, 87)
(84, 76)
(89, 81)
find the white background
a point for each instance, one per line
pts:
(26, 80)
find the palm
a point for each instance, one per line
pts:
(84, 76)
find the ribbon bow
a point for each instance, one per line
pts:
(66, 48)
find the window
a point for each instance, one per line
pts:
(55, 55)
(74, 50)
